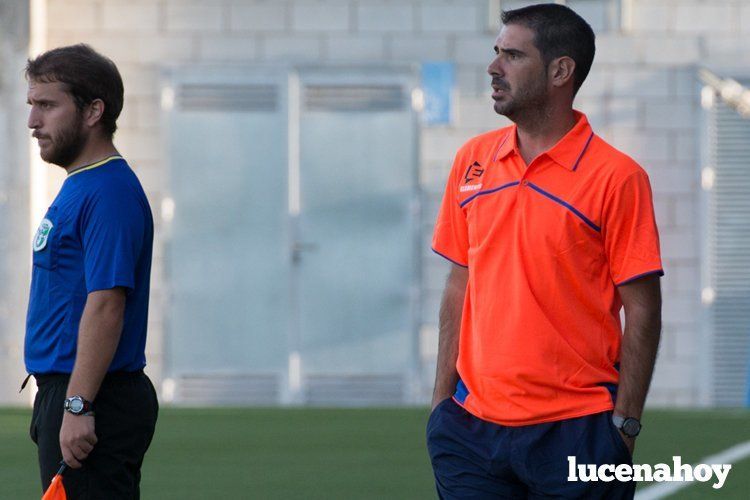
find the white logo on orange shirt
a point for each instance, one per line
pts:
(470, 187)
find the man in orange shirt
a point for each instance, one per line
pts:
(551, 232)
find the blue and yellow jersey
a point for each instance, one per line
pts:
(96, 235)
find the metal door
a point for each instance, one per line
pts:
(227, 257)
(356, 235)
(292, 255)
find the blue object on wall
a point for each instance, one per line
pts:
(438, 79)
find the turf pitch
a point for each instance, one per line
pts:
(338, 453)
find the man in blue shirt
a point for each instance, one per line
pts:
(88, 309)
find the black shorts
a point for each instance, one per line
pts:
(126, 410)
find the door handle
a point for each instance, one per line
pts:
(298, 247)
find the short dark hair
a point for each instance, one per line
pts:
(558, 31)
(87, 75)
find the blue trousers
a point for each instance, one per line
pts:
(476, 459)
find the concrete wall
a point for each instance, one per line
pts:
(642, 96)
(15, 234)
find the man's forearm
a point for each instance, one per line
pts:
(451, 309)
(98, 338)
(639, 348)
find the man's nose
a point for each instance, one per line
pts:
(34, 121)
(495, 67)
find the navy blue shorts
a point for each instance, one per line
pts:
(474, 459)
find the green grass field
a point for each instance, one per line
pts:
(335, 453)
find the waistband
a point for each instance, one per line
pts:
(46, 378)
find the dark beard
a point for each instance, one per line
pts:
(526, 101)
(68, 145)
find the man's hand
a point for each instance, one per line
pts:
(77, 438)
(451, 310)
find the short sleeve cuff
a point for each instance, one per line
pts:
(657, 272)
(448, 258)
(110, 284)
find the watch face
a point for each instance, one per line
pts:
(76, 405)
(631, 427)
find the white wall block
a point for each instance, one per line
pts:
(471, 80)
(474, 49)
(434, 173)
(598, 82)
(135, 16)
(153, 176)
(640, 82)
(664, 211)
(449, 17)
(441, 144)
(669, 114)
(623, 112)
(687, 143)
(143, 49)
(686, 84)
(669, 50)
(361, 49)
(228, 48)
(614, 48)
(320, 16)
(128, 119)
(183, 15)
(258, 17)
(405, 47)
(687, 275)
(729, 51)
(678, 244)
(650, 15)
(681, 309)
(593, 11)
(594, 110)
(73, 15)
(290, 48)
(674, 375)
(140, 146)
(704, 17)
(478, 112)
(385, 16)
(686, 210)
(139, 79)
(646, 147)
(673, 179)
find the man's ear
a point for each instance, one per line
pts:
(562, 71)
(93, 113)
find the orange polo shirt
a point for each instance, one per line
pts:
(546, 246)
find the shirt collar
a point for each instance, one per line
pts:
(567, 152)
(94, 165)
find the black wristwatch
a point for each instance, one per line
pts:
(79, 406)
(629, 426)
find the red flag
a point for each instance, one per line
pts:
(56, 491)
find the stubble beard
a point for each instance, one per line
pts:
(529, 101)
(67, 146)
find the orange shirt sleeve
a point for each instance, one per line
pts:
(451, 236)
(631, 238)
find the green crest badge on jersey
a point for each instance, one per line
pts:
(42, 235)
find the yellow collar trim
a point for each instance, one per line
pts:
(94, 165)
